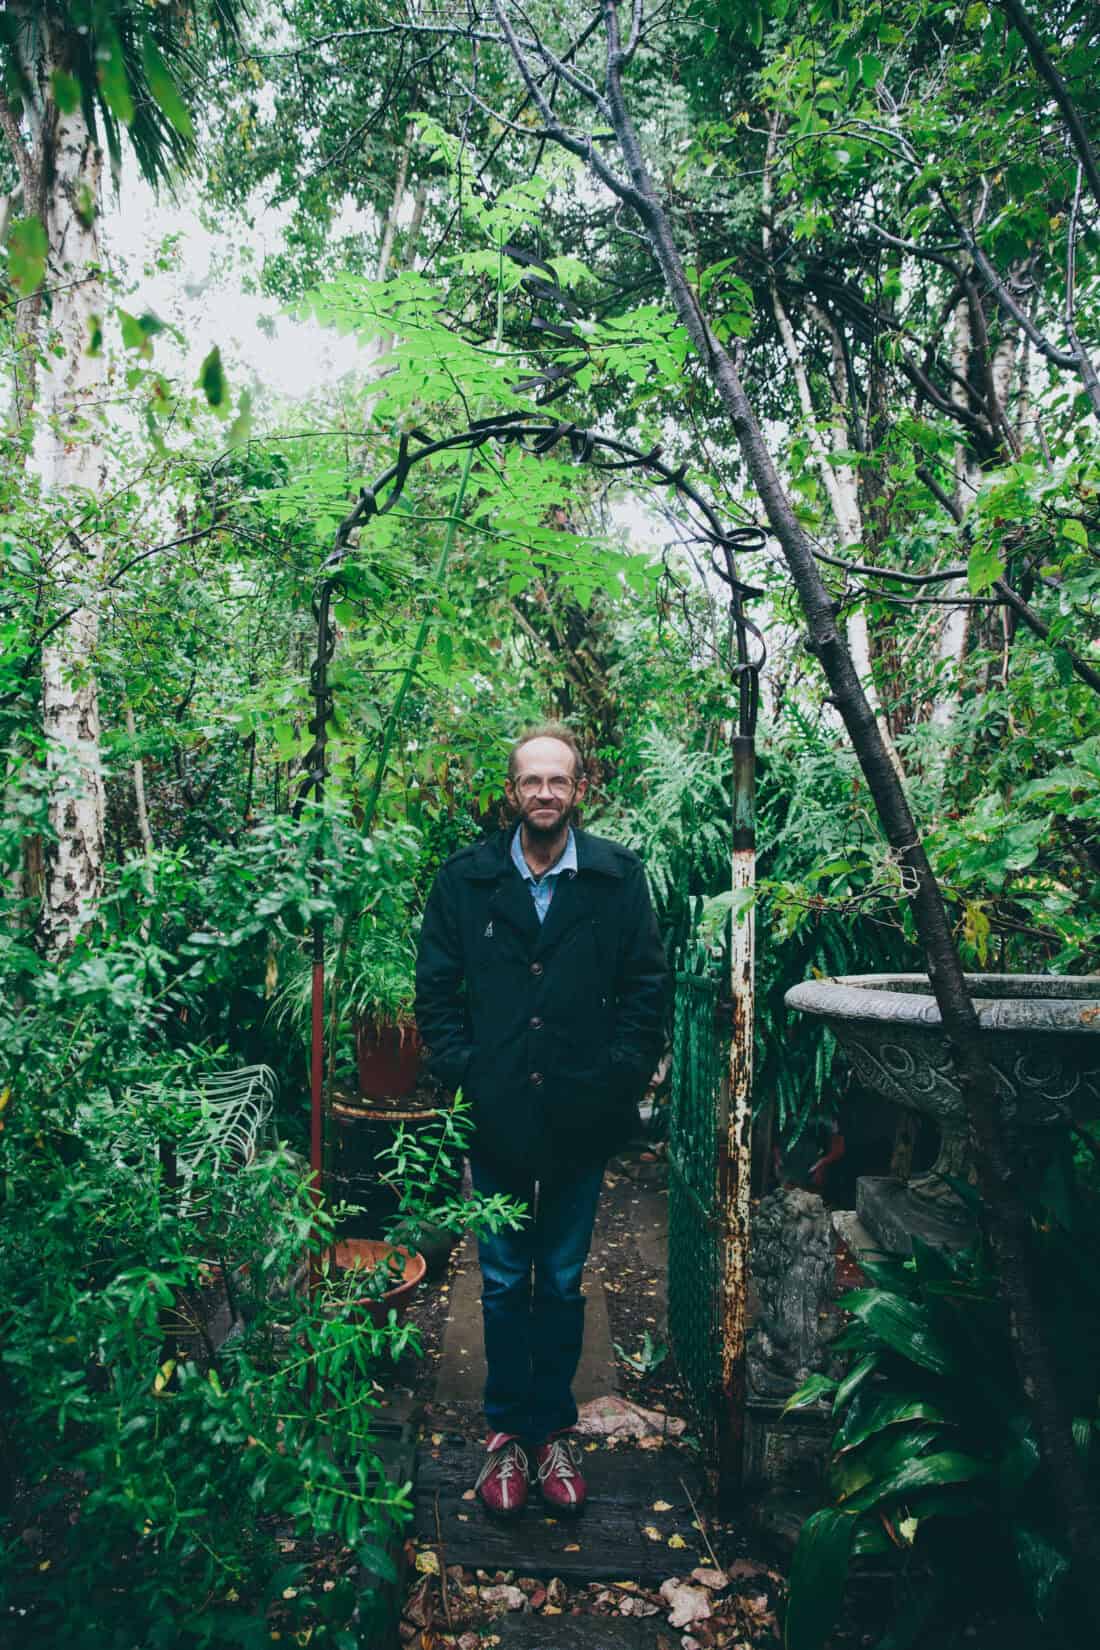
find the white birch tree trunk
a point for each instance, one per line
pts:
(67, 458)
(955, 629)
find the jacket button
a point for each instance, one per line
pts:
(536, 969)
(536, 1023)
(536, 1078)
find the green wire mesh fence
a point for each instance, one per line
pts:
(694, 1215)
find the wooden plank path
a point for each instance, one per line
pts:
(585, 1633)
(619, 1536)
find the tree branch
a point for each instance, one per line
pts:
(1021, 22)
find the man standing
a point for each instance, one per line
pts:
(540, 992)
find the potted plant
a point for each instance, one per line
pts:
(373, 1276)
(377, 992)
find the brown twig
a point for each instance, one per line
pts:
(442, 1556)
(700, 1526)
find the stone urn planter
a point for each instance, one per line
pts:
(1043, 1039)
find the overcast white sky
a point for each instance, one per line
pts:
(204, 295)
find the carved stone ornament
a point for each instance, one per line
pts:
(793, 1267)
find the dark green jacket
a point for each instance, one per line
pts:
(551, 1030)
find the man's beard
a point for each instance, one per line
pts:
(539, 832)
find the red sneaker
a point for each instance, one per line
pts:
(502, 1481)
(560, 1481)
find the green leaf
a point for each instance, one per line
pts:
(166, 93)
(878, 1410)
(882, 1455)
(86, 206)
(138, 331)
(1042, 1565)
(240, 430)
(819, 1570)
(903, 1326)
(1063, 665)
(27, 252)
(66, 91)
(977, 929)
(376, 1561)
(286, 741)
(445, 647)
(114, 82)
(854, 1379)
(813, 1388)
(927, 1472)
(1074, 531)
(983, 568)
(212, 379)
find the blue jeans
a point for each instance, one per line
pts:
(531, 1299)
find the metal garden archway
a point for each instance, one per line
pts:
(709, 1193)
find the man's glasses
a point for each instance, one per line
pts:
(529, 785)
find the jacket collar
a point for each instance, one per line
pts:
(492, 858)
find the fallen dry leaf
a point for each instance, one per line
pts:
(662, 1506)
(512, 1598)
(652, 1532)
(677, 1542)
(618, 1417)
(710, 1578)
(745, 1567)
(572, 1547)
(685, 1603)
(427, 1562)
(469, 1495)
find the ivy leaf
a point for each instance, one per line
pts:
(27, 251)
(212, 379)
(983, 569)
(166, 94)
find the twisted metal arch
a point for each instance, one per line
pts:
(537, 437)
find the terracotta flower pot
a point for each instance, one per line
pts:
(388, 1058)
(369, 1253)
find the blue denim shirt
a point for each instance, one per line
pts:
(542, 888)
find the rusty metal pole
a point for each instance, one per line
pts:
(322, 703)
(735, 1149)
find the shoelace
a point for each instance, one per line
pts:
(562, 1459)
(509, 1458)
